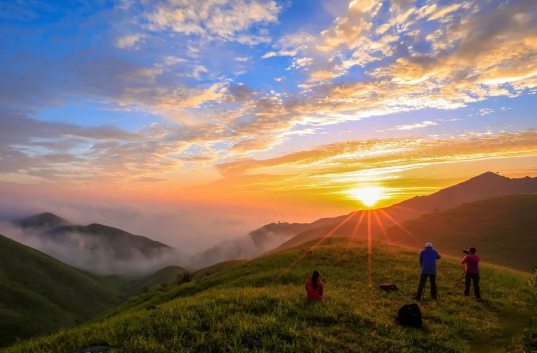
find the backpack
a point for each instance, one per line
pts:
(388, 287)
(409, 315)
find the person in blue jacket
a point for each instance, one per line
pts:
(428, 258)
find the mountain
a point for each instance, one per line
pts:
(502, 228)
(121, 245)
(482, 186)
(247, 308)
(256, 243)
(39, 294)
(42, 220)
(96, 247)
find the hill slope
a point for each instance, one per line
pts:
(237, 310)
(503, 229)
(166, 275)
(39, 294)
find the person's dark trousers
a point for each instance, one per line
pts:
(472, 277)
(423, 280)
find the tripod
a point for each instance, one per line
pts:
(459, 281)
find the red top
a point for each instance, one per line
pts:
(316, 294)
(472, 263)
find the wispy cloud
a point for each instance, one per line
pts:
(214, 19)
(416, 125)
(130, 41)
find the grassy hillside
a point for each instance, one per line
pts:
(221, 266)
(503, 229)
(167, 275)
(39, 294)
(235, 310)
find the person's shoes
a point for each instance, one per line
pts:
(479, 299)
(416, 297)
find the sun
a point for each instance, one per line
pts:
(369, 196)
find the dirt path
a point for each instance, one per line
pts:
(512, 323)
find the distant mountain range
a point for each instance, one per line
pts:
(256, 243)
(482, 186)
(96, 247)
(39, 293)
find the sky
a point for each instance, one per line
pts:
(193, 121)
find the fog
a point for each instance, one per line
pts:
(244, 247)
(203, 234)
(94, 254)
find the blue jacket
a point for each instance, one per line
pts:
(428, 259)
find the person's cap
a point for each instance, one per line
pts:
(429, 245)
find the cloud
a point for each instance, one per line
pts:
(173, 60)
(372, 61)
(214, 19)
(416, 126)
(131, 41)
(359, 156)
(290, 45)
(270, 54)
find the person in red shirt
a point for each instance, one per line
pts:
(315, 287)
(472, 272)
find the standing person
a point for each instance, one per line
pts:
(315, 287)
(428, 258)
(471, 260)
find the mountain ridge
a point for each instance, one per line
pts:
(96, 247)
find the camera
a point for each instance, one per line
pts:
(466, 252)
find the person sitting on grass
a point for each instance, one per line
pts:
(315, 287)
(472, 272)
(428, 259)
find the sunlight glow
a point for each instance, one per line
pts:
(369, 196)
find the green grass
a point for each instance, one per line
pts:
(211, 270)
(225, 311)
(166, 275)
(39, 294)
(503, 229)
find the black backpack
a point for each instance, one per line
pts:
(388, 287)
(409, 315)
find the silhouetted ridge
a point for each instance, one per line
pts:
(121, 244)
(483, 186)
(45, 219)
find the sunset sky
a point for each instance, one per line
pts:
(277, 108)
